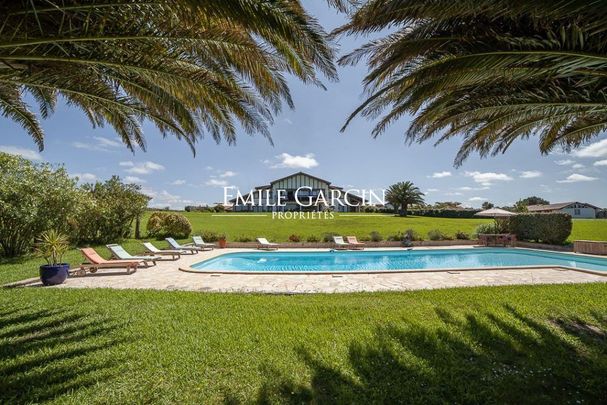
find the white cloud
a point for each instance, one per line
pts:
(178, 182)
(98, 143)
(477, 199)
(288, 121)
(295, 161)
(432, 190)
(576, 178)
(578, 166)
(23, 152)
(466, 188)
(134, 179)
(440, 175)
(600, 163)
(487, 178)
(595, 150)
(530, 174)
(141, 167)
(564, 162)
(227, 173)
(85, 177)
(454, 193)
(216, 183)
(164, 199)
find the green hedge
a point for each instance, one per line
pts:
(444, 213)
(553, 228)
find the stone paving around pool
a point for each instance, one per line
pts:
(167, 276)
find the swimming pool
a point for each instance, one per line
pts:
(386, 260)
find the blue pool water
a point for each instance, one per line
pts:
(395, 260)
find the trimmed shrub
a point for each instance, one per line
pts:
(397, 237)
(313, 239)
(375, 236)
(462, 235)
(241, 239)
(294, 238)
(444, 213)
(328, 237)
(211, 236)
(413, 235)
(552, 228)
(163, 224)
(437, 234)
(485, 228)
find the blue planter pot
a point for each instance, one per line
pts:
(54, 274)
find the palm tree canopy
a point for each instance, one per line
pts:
(489, 71)
(189, 66)
(404, 193)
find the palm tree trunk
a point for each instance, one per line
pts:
(405, 207)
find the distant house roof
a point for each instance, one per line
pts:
(302, 173)
(556, 206)
(269, 186)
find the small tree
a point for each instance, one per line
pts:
(487, 205)
(34, 198)
(107, 211)
(522, 204)
(403, 194)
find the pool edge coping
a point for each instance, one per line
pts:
(189, 269)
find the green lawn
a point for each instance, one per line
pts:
(590, 229)
(235, 226)
(279, 230)
(479, 345)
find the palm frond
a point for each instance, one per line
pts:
(189, 66)
(490, 72)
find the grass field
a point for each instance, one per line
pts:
(279, 230)
(360, 225)
(253, 225)
(532, 344)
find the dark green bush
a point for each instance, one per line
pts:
(413, 235)
(375, 236)
(294, 238)
(485, 228)
(437, 234)
(328, 237)
(444, 213)
(34, 198)
(163, 224)
(462, 235)
(553, 228)
(397, 237)
(241, 239)
(106, 211)
(210, 236)
(313, 239)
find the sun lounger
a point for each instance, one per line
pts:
(339, 243)
(354, 243)
(175, 254)
(96, 262)
(199, 242)
(119, 253)
(263, 244)
(185, 250)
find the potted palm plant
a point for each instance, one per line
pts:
(52, 246)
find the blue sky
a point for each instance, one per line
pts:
(308, 139)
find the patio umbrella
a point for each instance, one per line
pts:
(496, 214)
